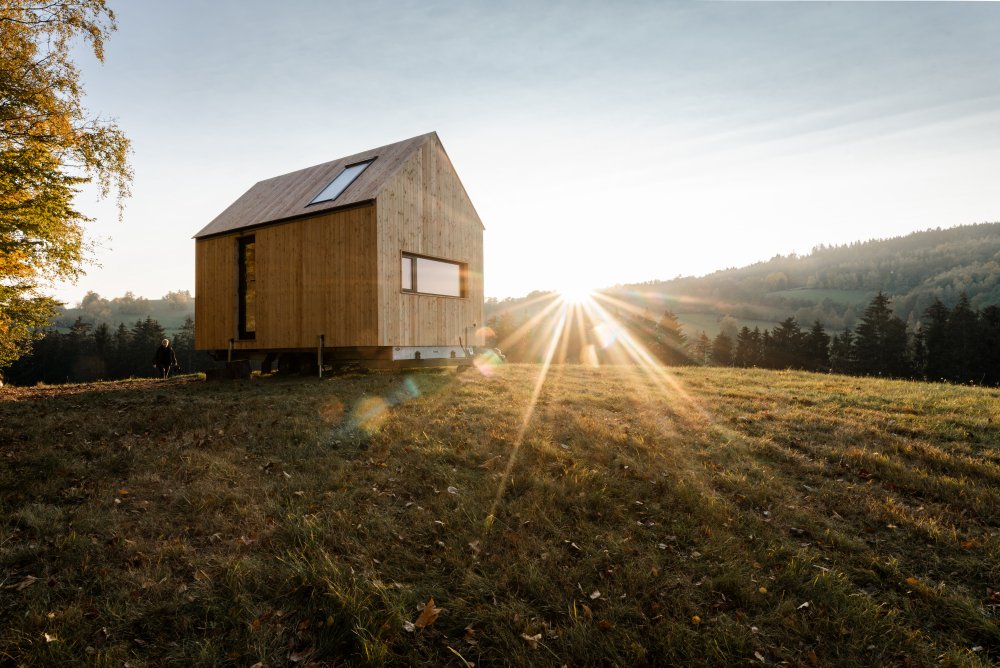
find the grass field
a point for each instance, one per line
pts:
(817, 296)
(612, 517)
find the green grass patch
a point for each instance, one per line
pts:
(849, 297)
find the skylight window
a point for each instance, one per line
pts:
(339, 184)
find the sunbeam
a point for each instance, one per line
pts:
(526, 418)
(582, 316)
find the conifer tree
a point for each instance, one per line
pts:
(963, 345)
(842, 352)
(989, 345)
(722, 350)
(745, 353)
(786, 345)
(701, 348)
(670, 338)
(881, 341)
(816, 348)
(935, 342)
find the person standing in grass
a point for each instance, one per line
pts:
(164, 359)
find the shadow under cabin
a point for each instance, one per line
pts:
(374, 259)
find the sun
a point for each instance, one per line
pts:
(575, 293)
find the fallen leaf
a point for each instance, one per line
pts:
(296, 657)
(912, 582)
(26, 582)
(452, 490)
(760, 657)
(763, 590)
(532, 640)
(408, 626)
(605, 625)
(595, 595)
(804, 605)
(50, 638)
(695, 619)
(587, 612)
(428, 615)
(491, 463)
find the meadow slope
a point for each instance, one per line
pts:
(618, 516)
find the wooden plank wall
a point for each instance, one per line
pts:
(215, 292)
(424, 209)
(314, 276)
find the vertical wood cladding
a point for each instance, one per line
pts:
(424, 209)
(215, 292)
(314, 276)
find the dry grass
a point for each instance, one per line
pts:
(739, 517)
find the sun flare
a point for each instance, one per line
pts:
(575, 293)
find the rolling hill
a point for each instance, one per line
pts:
(831, 284)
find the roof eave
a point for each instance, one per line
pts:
(287, 219)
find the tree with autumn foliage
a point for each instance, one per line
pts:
(50, 145)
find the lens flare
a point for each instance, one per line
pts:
(487, 362)
(607, 333)
(370, 413)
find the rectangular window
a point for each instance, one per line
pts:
(433, 277)
(247, 287)
(341, 182)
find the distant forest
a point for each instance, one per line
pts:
(110, 339)
(171, 311)
(834, 283)
(775, 314)
(960, 344)
(86, 353)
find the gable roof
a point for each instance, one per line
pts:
(289, 195)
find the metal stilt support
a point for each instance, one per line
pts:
(319, 355)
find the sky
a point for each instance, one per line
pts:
(601, 143)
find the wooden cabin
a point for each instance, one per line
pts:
(375, 257)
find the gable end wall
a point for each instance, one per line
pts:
(424, 209)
